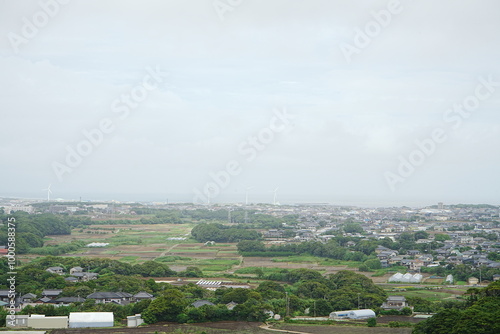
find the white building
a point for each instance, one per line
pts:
(91, 319)
(38, 321)
(134, 320)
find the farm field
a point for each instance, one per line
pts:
(160, 328)
(431, 295)
(237, 327)
(326, 329)
(137, 243)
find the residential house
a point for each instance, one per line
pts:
(55, 270)
(304, 235)
(414, 265)
(465, 239)
(142, 295)
(75, 270)
(385, 255)
(51, 293)
(122, 298)
(231, 305)
(28, 298)
(273, 234)
(423, 241)
(43, 300)
(200, 303)
(455, 260)
(65, 301)
(494, 265)
(413, 252)
(426, 258)
(85, 277)
(395, 260)
(395, 303)
(5, 296)
(472, 281)
(71, 279)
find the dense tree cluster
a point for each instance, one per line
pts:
(33, 277)
(31, 229)
(481, 315)
(221, 233)
(305, 291)
(331, 250)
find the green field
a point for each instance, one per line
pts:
(432, 295)
(321, 261)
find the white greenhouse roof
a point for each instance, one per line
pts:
(365, 312)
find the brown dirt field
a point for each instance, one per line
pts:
(386, 318)
(378, 280)
(209, 328)
(327, 329)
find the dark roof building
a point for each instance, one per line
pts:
(111, 297)
(200, 303)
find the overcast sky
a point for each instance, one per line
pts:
(356, 84)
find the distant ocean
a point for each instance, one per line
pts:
(282, 199)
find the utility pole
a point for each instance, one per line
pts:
(287, 304)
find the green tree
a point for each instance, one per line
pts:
(271, 290)
(481, 316)
(373, 264)
(191, 272)
(421, 235)
(311, 289)
(251, 246)
(353, 228)
(165, 308)
(441, 237)
(440, 323)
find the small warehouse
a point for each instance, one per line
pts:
(91, 319)
(37, 321)
(41, 321)
(134, 320)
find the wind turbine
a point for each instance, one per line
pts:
(48, 192)
(275, 191)
(246, 194)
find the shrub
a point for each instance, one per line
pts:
(400, 324)
(372, 322)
